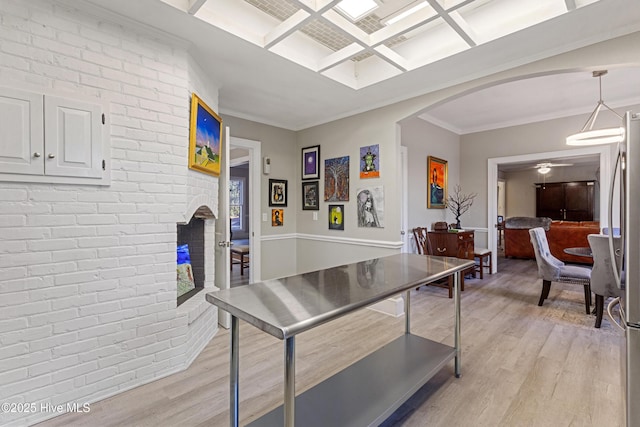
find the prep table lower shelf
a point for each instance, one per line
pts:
(370, 390)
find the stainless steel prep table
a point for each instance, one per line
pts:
(367, 392)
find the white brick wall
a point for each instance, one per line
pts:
(87, 274)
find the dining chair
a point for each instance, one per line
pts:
(551, 269)
(603, 283)
(423, 246)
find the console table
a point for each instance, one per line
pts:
(368, 391)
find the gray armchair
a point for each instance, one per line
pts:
(551, 269)
(603, 283)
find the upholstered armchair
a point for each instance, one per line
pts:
(603, 283)
(551, 269)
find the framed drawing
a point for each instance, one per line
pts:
(277, 192)
(370, 161)
(311, 162)
(277, 217)
(205, 136)
(437, 183)
(336, 179)
(310, 196)
(370, 207)
(336, 217)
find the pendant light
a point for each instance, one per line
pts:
(588, 136)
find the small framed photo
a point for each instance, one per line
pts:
(311, 162)
(336, 217)
(310, 196)
(277, 217)
(278, 192)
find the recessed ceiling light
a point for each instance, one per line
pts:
(356, 9)
(406, 13)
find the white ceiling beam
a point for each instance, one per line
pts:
(399, 28)
(447, 18)
(294, 23)
(343, 25)
(571, 5)
(464, 25)
(316, 7)
(392, 57)
(195, 5)
(309, 10)
(339, 57)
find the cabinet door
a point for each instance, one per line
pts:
(465, 245)
(578, 197)
(440, 244)
(550, 200)
(21, 132)
(73, 138)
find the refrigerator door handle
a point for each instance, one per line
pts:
(616, 259)
(613, 303)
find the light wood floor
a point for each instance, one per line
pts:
(522, 365)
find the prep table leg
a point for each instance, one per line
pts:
(289, 381)
(407, 312)
(235, 368)
(456, 305)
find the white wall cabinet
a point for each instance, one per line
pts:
(46, 138)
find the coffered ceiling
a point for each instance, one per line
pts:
(299, 63)
(391, 37)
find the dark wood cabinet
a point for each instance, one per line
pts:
(570, 201)
(459, 245)
(453, 244)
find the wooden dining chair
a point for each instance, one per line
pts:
(423, 245)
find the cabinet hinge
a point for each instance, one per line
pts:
(104, 119)
(104, 165)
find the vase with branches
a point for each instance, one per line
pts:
(458, 203)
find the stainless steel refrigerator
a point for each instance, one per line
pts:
(628, 262)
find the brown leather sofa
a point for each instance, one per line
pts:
(560, 234)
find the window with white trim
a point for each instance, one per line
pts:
(236, 202)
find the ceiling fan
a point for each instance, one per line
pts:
(545, 167)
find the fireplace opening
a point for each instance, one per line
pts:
(190, 254)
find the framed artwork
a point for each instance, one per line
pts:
(277, 217)
(311, 196)
(336, 217)
(336, 179)
(370, 161)
(311, 162)
(205, 134)
(437, 183)
(278, 192)
(370, 207)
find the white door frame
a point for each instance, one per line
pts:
(255, 161)
(404, 210)
(492, 185)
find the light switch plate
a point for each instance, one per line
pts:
(315, 216)
(264, 217)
